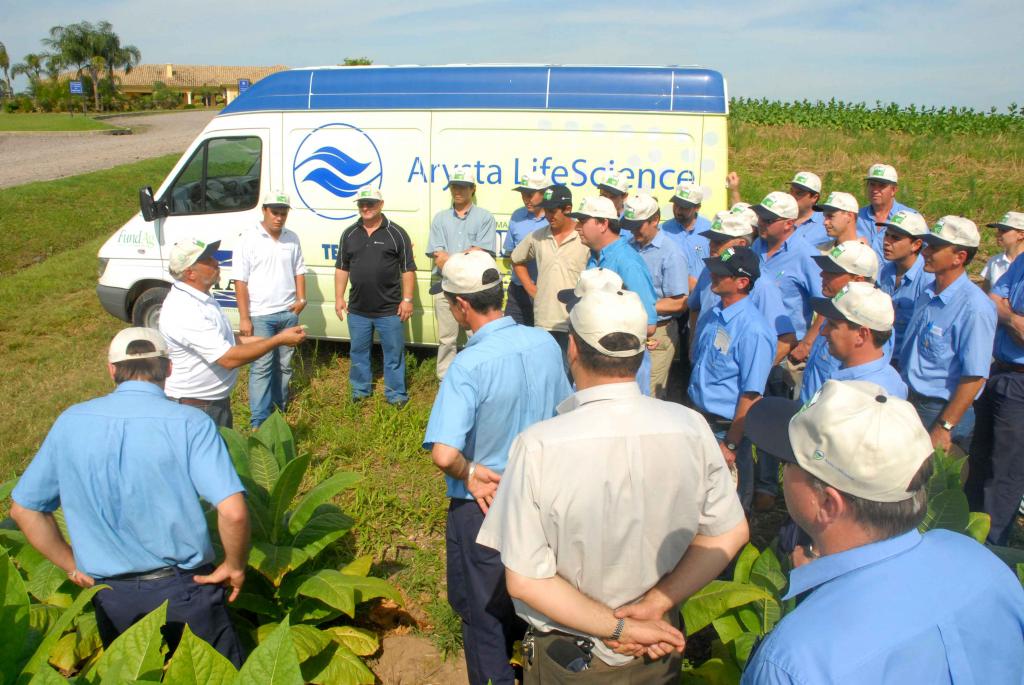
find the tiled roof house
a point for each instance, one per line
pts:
(190, 78)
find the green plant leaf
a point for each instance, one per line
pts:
(766, 572)
(14, 618)
(770, 611)
(361, 641)
(1011, 556)
(312, 611)
(273, 561)
(284, 491)
(197, 663)
(136, 654)
(238, 448)
(1020, 573)
(259, 514)
(44, 579)
(37, 662)
(742, 647)
(978, 525)
(947, 510)
(359, 567)
(338, 665)
(273, 662)
(62, 656)
(276, 435)
(47, 676)
(322, 530)
(728, 627)
(318, 495)
(87, 636)
(714, 671)
(716, 598)
(257, 604)
(308, 641)
(6, 488)
(343, 592)
(263, 465)
(746, 559)
(749, 619)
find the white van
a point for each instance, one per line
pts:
(320, 134)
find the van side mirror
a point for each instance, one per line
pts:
(151, 209)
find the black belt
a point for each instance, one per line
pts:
(194, 402)
(155, 574)
(1007, 366)
(713, 419)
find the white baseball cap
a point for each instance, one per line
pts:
(370, 193)
(954, 230)
(185, 253)
(596, 207)
(743, 209)
(591, 281)
(860, 303)
(275, 198)
(466, 272)
(533, 182)
(907, 222)
(882, 172)
(603, 312)
(851, 435)
(118, 351)
(727, 226)
(843, 202)
(850, 257)
(777, 205)
(1011, 221)
(462, 176)
(808, 180)
(616, 183)
(688, 195)
(638, 210)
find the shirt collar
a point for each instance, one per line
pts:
(490, 327)
(468, 212)
(951, 290)
(598, 393)
(611, 248)
(140, 386)
(729, 313)
(820, 571)
(197, 294)
(851, 372)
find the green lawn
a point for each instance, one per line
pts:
(50, 122)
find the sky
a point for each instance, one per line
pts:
(928, 52)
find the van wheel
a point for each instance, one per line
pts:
(146, 311)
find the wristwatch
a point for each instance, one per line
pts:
(731, 446)
(946, 425)
(618, 629)
(407, 299)
(302, 300)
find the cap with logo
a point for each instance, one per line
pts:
(597, 208)
(185, 253)
(953, 230)
(688, 195)
(601, 313)
(906, 222)
(807, 180)
(850, 434)
(727, 226)
(735, 261)
(851, 257)
(615, 183)
(462, 177)
(859, 303)
(1011, 221)
(467, 272)
(838, 201)
(777, 205)
(532, 182)
(883, 173)
(277, 200)
(369, 194)
(591, 281)
(118, 351)
(556, 196)
(638, 210)
(743, 209)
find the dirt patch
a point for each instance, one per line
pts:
(414, 660)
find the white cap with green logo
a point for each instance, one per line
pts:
(276, 198)
(882, 172)
(1011, 221)
(808, 180)
(369, 193)
(907, 222)
(954, 230)
(838, 201)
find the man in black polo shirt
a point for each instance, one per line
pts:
(376, 255)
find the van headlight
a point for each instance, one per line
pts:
(101, 267)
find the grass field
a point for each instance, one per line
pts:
(50, 122)
(53, 332)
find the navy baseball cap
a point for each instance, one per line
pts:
(556, 196)
(735, 261)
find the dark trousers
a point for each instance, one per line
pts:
(519, 305)
(995, 482)
(218, 410)
(477, 593)
(202, 607)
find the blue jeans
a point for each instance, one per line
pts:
(928, 408)
(269, 375)
(392, 342)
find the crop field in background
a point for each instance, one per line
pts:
(53, 332)
(50, 122)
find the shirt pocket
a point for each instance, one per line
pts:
(934, 345)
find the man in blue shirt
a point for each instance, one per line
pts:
(507, 378)
(462, 227)
(102, 462)
(947, 349)
(732, 359)
(522, 223)
(882, 603)
(996, 481)
(810, 221)
(881, 183)
(903, 276)
(686, 226)
(615, 187)
(667, 266)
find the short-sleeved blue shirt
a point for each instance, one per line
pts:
(822, 366)
(932, 608)
(128, 469)
(904, 294)
(666, 265)
(813, 230)
(506, 379)
(1010, 286)
(520, 225)
(624, 260)
(951, 335)
(452, 233)
(869, 230)
(765, 295)
(694, 246)
(797, 275)
(734, 354)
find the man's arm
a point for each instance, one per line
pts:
(803, 348)
(233, 527)
(671, 305)
(340, 285)
(300, 294)
(966, 390)
(42, 532)
(785, 343)
(744, 402)
(253, 349)
(242, 295)
(408, 286)
(523, 273)
(482, 485)
(1005, 315)
(732, 182)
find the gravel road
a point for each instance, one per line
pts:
(46, 156)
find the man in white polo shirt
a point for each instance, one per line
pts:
(270, 281)
(204, 353)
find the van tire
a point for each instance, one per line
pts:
(146, 310)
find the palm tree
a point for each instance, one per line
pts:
(117, 56)
(76, 45)
(32, 69)
(5, 66)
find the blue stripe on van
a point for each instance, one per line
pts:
(640, 89)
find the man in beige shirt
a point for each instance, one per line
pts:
(560, 256)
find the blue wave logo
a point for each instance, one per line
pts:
(331, 164)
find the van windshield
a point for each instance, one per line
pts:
(223, 175)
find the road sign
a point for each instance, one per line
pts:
(76, 87)
(243, 84)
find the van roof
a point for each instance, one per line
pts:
(497, 87)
